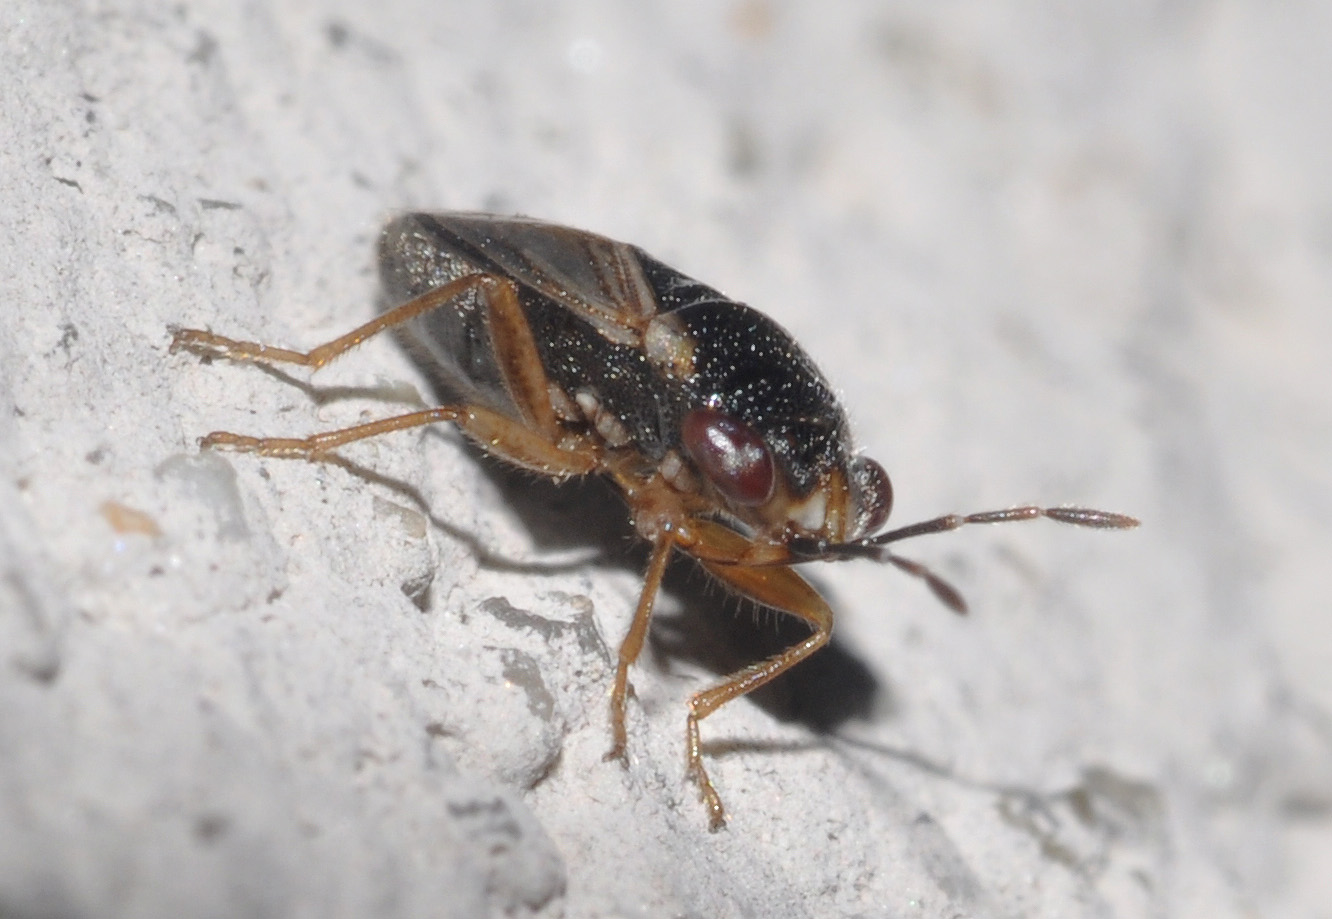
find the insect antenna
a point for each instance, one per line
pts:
(947, 594)
(875, 547)
(1077, 516)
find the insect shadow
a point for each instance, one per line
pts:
(710, 626)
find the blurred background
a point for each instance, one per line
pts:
(1046, 252)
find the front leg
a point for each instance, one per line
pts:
(751, 569)
(782, 589)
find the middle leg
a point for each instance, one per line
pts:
(632, 645)
(500, 436)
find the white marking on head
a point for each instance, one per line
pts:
(811, 513)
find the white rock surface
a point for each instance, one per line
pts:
(1049, 253)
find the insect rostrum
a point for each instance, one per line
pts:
(575, 354)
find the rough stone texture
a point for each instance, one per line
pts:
(1061, 254)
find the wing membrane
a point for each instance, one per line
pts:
(598, 278)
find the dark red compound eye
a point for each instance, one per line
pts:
(873, 495)
(731, 454)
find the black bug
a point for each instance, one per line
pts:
(576, 354)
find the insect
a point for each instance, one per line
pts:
(574, 354)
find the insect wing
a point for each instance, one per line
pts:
(597, 278)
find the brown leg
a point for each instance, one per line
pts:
(511, 337)
(632, 645)
(499, 436)
(518, 359)
(210, 345)
(709, 541)
(780, 588)
(531, 441)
